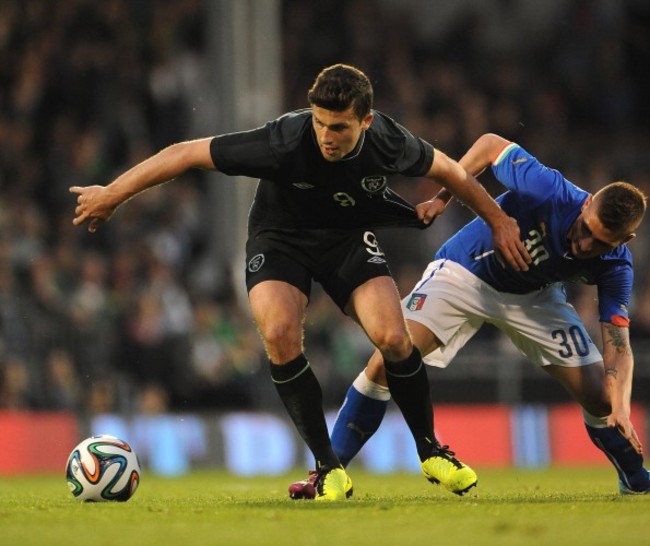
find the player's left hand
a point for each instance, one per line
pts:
(429, 210)
(625, 427)
(509, 248)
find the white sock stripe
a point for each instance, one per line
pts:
(291, 378)
(392, 374)
(593, 421)
(369, 388)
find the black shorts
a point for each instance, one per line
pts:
(340, 260)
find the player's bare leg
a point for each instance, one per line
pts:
(367, 399)
(377, 308)
(279, 311)
(586, 385)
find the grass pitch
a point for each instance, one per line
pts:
(569, 506)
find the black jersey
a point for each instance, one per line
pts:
(299, 188)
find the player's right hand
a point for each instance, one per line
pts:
(509, 248)
(625, 427)
(93, 205)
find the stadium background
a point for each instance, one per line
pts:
(143, 327)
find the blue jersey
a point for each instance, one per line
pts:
(545, 205)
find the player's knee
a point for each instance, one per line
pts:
(394, 346)
(282, 338)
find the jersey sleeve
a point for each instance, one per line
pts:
(525, 176)
(615, 289)
(261, 152)
(417, 157)
(402, 151)
(245, 153)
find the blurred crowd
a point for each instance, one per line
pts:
(124, 319)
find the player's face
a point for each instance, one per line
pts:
(337, 133)
(589, 238)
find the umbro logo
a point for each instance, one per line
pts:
(376, 260)
(303, 185)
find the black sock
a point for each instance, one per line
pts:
(301, 394)
(409, 386)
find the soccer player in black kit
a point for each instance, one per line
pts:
(322, 189)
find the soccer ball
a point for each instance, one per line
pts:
(103, 468)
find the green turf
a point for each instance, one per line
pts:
(554, 507)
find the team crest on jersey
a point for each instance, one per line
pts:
(374, 183)
(256, 263)
(303, 185)
(416, 302)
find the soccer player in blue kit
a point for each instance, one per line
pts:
(571, 236)
(323, 187)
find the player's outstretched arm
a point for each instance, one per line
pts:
(98, 203)
(619, 368)
(482, 153)
(464, 186)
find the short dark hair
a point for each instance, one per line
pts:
(621, 207)
(340, 86)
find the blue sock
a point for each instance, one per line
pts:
(357, 420)
(628, 463)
